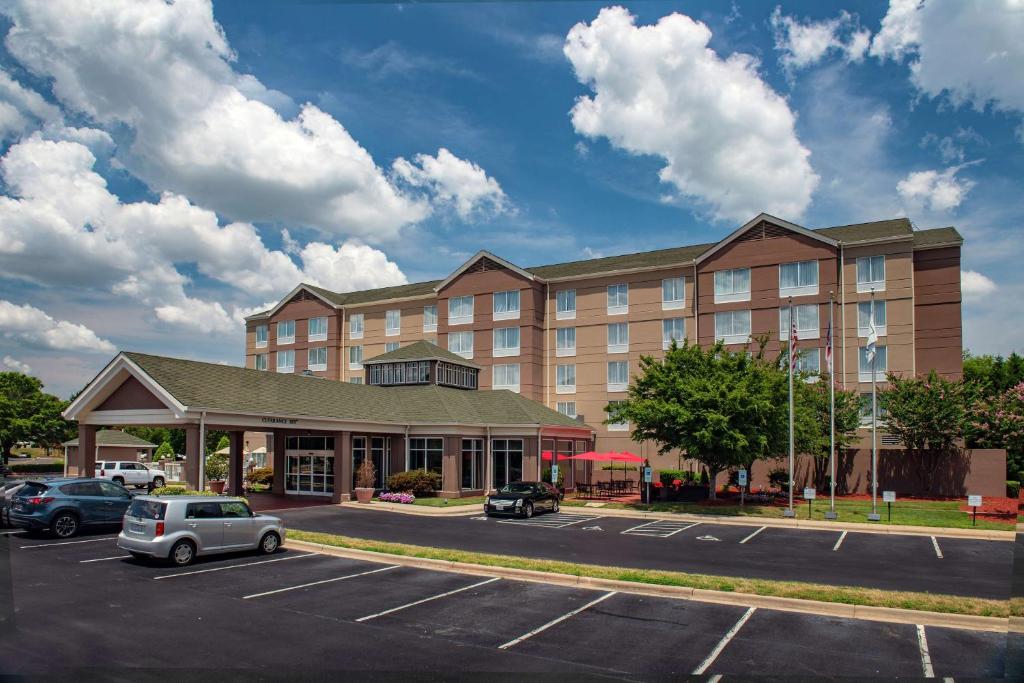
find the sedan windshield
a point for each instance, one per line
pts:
(518, 487)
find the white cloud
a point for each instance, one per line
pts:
(728, 138)
(802, 44)
(968, 50)
(455, 182)
(33, 326)
(974, 285)
(17, 365)
(935, 190)
(23, 111)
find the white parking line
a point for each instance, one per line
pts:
(318, 583)
(753, 534)
(556, 521)
(233, 566)
(8, 533)
(48, 545)
(710, 659)
(559, 620)
(433, 597)
(935, 543)
(104, 559)
(926, 658)
(659, 528)
(842, 536)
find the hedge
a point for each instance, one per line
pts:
(420, 483)
(261, 475)
(40, 468)
(1012, 489)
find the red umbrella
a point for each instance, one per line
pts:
(546, 455)
(593, 456)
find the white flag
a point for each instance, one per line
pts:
(872, 339)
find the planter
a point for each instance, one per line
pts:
(364, 495)
(217, 486)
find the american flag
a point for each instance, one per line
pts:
(792, 340)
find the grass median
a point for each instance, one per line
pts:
(849, 595)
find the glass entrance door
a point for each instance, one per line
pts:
(311, 474)
(506, 461)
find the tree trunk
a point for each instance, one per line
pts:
(712, 475)
(5, 451)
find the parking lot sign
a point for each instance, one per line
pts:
(974, 501)
(647, 475)
(888, 496)
(742, 477)
(809, 493)
(554, 474)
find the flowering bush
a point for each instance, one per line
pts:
(406, 498)
(657, 485)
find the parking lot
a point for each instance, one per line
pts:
(83, 604)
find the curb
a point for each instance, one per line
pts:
(831, 609)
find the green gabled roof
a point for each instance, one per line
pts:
(860, 232)
(929, 238)
(609, 264)
(226, 388)
(115, 437)
(420, 350)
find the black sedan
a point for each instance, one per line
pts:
(523, 499)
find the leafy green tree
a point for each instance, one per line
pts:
(222, 443)
(993, 375)
(165, 451)
(29, 414)
(998, 422)
(812, 423)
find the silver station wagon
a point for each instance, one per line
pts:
(181, 528)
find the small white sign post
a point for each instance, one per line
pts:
(974, 502)
(741, 479)
(809, 494)
(889, 497)
(648, 475)
(554, 475)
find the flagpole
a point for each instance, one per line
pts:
(832, 409)
(789, 511)
(874, 516)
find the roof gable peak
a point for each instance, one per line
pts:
(474, 259)
(757, 221)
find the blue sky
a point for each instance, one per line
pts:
(169, 168)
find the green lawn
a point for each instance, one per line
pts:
(449, 502)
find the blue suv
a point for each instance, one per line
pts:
(64, 506)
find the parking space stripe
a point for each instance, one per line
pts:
(839, 542)
(659, 528)
(104, 559)
(753, 534)
(318, 583)
(935, 543)
(558, 521)
(8, 533)
(553, 622)
(926, 658)
(710, 659)
(233, 566)
(432, 597)
(50, 545)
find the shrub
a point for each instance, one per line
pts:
(366, 474)
(668, 476)
(1012, 489)
(406, 498)
(40, 468)
(546, 476)
(417, 482)
(164, 452)
(180, 491)
(779, 479)
(261, 476)
(216, 467)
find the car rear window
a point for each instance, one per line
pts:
(110, 465)
(32, 489)
(147, 509)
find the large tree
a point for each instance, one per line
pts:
(998, 422)
(813, 423)
(721, 408)
(27, 413)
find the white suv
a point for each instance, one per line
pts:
(128, 473)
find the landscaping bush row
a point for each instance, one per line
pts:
(420, 483)
(1012, 489)
(263, 476)
(685, 477)
(36, 468)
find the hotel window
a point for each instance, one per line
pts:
(506, 377)
(472, 463)
(807, 326)
(286, 361)
(881, 364)
(355, 358)
(316, 358)
(430, 318)
(506, 342)
(565, 304)
(261, 336)
(461, 343)
(871, 311)
(356, 380)
(618, 337)
(567, 408)
(392, 322)
(506, 305)
(565, 379)
(732, 327)
(618, 375)
(426, 454)
(261, 361)
(618, 299)
(286, 332)
(617, 426)
(460, 310)
(798, 279)
(672, 329)
(732, 285)
(317, 329)
(355, 326)
(672, 294)
(865, 410)
(808, 361)
(871, 273)
(390, 346)
(565, 341)
(506, 461)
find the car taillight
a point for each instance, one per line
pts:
(38, 500)
(103, 473)
(159, 528)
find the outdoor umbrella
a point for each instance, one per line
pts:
(625, 456)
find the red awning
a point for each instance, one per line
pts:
(546, 455)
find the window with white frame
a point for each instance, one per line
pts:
(567, 408)
(565, 379)
(430, 318)
(798, 279)
(565, 341)
(316, 358)
(286, 332)
(871, 273)
(672, 330)
(426, 454)
(506, 377)
(461, 343)
(808, 362)
(565, 304)
(506, 305)
(472, 464)
(881, 364)
(807, 326)
(618, 337)
(865, 410)
(393, 322)
(732, 327)
(261, 361)
(506, 342)
(355, 380)
(317, 329)
(261, 336)
(460, 310)
(390, 346)
(355, 326)
(868, 312)
(355, 358)
(618, 299)
(617, 426)
(672, 294)
(732, 285)
(286, 361)
(618, 375)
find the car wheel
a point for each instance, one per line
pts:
(182, 553)
(269, 543)
(64, 525)
(158, 482)
(554, 508)
(528, 510)
(118, 480)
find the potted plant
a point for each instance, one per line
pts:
(365, 476)
(216, 471)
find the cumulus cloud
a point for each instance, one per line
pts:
(453, 181)
(802, 44)
(728, 139)
(934, 190)
(17, 365)
(33, 326)
(974, 285)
